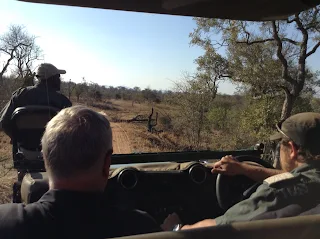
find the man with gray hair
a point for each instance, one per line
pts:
(77, 144)
(77, 149)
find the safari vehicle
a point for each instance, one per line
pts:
(162, 183)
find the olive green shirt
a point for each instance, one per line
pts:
(301, 187)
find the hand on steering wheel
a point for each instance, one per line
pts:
(228, 165)
(231, 183)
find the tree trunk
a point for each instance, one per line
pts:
(287, 105)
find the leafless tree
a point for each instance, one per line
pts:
(81, 88)
(21, 51)
(71, 87)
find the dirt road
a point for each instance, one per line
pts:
(121, 141)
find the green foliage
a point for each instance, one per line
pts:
(243, 123)
(81, 89)
(257, 67)
(194, 99)
(220, 115)
(250, 122)
(315, 104)
(118, 96)
(258, 119)
(97, 95)
(303, 104)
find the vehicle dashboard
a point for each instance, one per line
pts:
(188, 191)
(158, 183)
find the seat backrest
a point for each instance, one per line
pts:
(28, 125)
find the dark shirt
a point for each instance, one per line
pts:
(32, 95)
(69, 214)
(280, 197)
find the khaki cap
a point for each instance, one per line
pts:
(47, 70)
(303, 129)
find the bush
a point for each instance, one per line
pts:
(118, 96)
(157, 101)
(165, 122)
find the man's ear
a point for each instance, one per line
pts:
(106, 166)
(293, 150)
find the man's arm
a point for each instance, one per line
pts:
(260, 202)
(204, 223)
(229, 166)
(6, 113)
(259, 173)
(5, 118)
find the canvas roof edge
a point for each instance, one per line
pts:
(251, 10)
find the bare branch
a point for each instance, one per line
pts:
(220, 44)
(290, 41)
(5, 51)
(10, 59)
(255, 42)
(314, 49)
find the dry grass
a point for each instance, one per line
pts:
(140, 139)
(7, 176)
(6, 183)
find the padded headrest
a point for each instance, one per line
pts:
(33, 186)
(33, 117)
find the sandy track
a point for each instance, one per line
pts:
(121, 141)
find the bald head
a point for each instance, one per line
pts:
(76, 142)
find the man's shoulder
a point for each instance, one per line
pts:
(14, 210)
(301, 175)
(55, 96)
(11, 220)
(66, 99)
(18, 220)
(280, 178)
(65, 102)
(20, 91)
(10, 207)
(23, 92)
(274, 184)
(11, 215)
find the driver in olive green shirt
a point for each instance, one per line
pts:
(297, 184)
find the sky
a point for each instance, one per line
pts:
(110, 47)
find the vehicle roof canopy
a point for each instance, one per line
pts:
(256, 10)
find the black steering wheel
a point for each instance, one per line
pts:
(233, 189)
